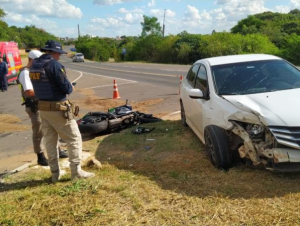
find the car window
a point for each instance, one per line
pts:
(192, 74)
(4, 58)
(78, 54)
(201, 80)
(255, 77)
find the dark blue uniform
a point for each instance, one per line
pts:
(49, 79)
(3, 78)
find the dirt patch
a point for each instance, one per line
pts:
(94, 103)
(70, 55)
(9, 123)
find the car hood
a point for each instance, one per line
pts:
(280, 108)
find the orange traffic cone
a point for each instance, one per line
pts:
(181, 78)
(116, 92)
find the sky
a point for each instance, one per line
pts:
(112, 18)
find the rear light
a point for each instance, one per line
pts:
(79, 121)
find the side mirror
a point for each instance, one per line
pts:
(195, 94)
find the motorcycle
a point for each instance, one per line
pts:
(114, 119)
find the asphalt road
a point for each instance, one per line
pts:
(136, 82)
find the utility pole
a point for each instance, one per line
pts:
(78, 32)
(164, 24)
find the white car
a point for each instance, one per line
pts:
(78, 57)
(246, 106)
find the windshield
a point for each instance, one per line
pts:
(255, 77)
(79, 54)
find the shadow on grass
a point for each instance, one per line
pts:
(21, 185)
(174, 158)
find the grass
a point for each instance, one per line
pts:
(157, 178)
(11, 123)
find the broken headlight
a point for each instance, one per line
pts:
(254, 130)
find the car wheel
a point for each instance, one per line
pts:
(183, 118)
(217, 147)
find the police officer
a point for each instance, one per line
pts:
(29, 100)
(3, 73)
(51, 88)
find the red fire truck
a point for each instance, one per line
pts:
(11, 55)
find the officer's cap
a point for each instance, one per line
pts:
(53, 46)
(34, 54)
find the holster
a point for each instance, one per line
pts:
(32, 103)
(72, 110)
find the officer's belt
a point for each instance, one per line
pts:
(53, 105)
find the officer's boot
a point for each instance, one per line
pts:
(54, 168)
(55, 171)
(55, 176)
(62, 154)
(42, 159)
(78, 173)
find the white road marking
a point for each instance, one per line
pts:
(135, 72)
(174, 113)
(94, 87)
(79, 76)
(100, 76)
(110, 77)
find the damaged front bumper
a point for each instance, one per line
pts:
(269, 151)
(282, 159)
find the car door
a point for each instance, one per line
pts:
(200, 105)
(187, 84)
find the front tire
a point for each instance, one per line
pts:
(183, 118)
(217, 147)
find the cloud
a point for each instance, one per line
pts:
(235, 10)
(294, 4)
(192, 14)
(133, 18)
(223, 17)
(117, 22)
(123, 10)
(49, 8)
(112, 27)
(32, 19)
(151, 3)
(110, 2)
(160, 13)
(109, 22)
(51, 27)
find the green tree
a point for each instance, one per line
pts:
(150, 26)
(223, 43)
(290, 49)
(33, 37)
(251, 24)
(146, 48)
(187, 48)
(291, 27)
(96, 49)
(295, 12)
(2, 13)
(3, 26)
(165, 52)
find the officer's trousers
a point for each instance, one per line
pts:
(3, 82)
(37, 133)
(54, 124)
